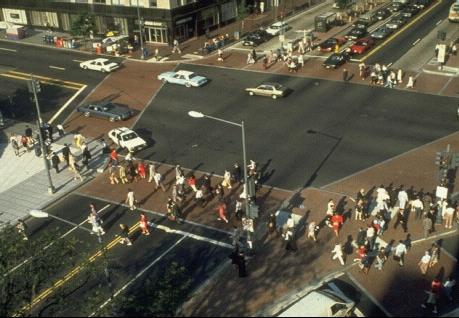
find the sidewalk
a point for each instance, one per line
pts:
(24, 183)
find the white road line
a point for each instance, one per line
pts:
(191, 235)
(438, 23)
(52, 243)
(416, 42)
(67, 104)
(119, 291)
(78, 61)
(364, 290)
(388, 65)
(9, 50)
(336, 289)
(57, 68)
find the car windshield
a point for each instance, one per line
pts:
(192, 76)
(107, 107)
(335, 58)
(130, 136)
(329, 42)
(275, 27)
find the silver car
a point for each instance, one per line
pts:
(272, 90)
(381, 33)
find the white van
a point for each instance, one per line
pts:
(320, 303)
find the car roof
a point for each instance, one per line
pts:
(186, 73)
(278, 23)
(101, 59)
(270, 83)
(121, 129)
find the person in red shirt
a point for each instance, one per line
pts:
(222, 211)
(144, 224)
(141, 170)
(191, 181)
(336, 221)
(114, 157)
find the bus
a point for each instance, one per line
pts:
(454, 12)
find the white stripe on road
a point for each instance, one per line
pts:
(52, 243)
(67, 104)
(57, 68)
(416, 42)
(119, 291)
(438, 22)
(370, 296)
(78, 61)
(388, 65)
(191, 235)
(9, 50)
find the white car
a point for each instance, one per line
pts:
(187, 78)
(277, 27)
(127, 138)
(100, 64)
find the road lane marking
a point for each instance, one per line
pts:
(191, 235)
(367, 293)
(9, 50)
(119, 291)
(67, 104)
(46, 78)
(388, 65)
(43, 295)
(26, 77)
(438, 23)
(417, 41)
(57, 68)
(52, 243)
(399, 32)
(78, 61)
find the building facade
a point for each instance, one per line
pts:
(162, 20)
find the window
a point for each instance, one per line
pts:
(153, 3)
(100, 1)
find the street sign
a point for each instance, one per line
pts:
(442, 192)
(31, 84)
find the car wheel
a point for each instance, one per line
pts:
(85, 67)
(164, 81)
(87, 114)
(251, 93)
(274, 96)
(112, 119)
(103, 70)
(187, 84)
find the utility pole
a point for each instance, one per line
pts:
(34, 87)
(142, 55)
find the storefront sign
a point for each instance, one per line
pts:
(154, 23)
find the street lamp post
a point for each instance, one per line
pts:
(42, 214)
(196, 114)
(142, 56)
(33, 86)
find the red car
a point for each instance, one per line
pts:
(362, 45)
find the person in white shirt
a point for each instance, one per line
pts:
(424, 263)
(448, 215)
(448, 287)
(381, 198)
(330, 207)
(130, 199)
(312, 228)
(338, 253)
(400, 251)
(402, 198)
(417, 207)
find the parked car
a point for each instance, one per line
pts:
(362, 45)
(277, 27)
(187, 78)
(396, 6)
(336, 60)
(356, 33)
(381, 14)
(396, 22)
(329, 44)
(127, 139)
(321, 303)
(100, 64)
(409, 11)
(273, 90)
(256, 38)
(107, 110)
(381, 33)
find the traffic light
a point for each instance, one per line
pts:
(31, 84)
(438, 158)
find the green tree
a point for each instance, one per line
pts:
(157, 298)
(28, 267)
(82, 25)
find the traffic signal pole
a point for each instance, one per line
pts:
(36, 84)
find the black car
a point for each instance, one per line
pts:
(336, 60)
(381, 14)
(409, 11)
(396, 6)
(362, 24)
(421, 4)
(356, 33)
(256, 38)
(108, 110)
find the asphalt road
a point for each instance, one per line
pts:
(199, 256)
(356, 126)
(402, 43)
